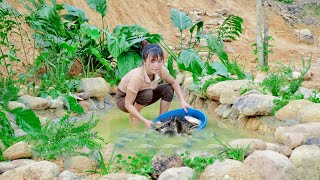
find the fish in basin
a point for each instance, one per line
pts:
(177, 125)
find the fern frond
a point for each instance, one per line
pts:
(230, 28)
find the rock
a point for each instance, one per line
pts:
(122, 176)
(181, 173)
(180, 78)
(229, 169)
(216, 90)
(271, 165)
(260, 77)
(97, 87)
(79, 164)
(113, 90)
(290, 111)
(312, 141)
(296, 75)
(251, 144)
(162, 162)
(83, 95)
(15, 104)
(187, 83)
(36, 170)
(211, 105)
(18, 151)
(254, 105)
(306, 158)
(309, 113)
(214, 22)
(305, 92)
(67, 175)
(305, 36)
(55, 103)
(293, 136)
(7, 166)
(35, 103)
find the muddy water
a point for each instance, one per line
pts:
(114, 127)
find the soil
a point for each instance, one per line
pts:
(155, 16)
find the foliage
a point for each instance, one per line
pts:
(286, 1)
(1, 156)
(103, 168)
(6, 131)
(139, 164)
(273, 83)
(189, 59)
(27, 120)
(237, 153)
(8, 90)
(64, 138)
(314, 98)
(197, 163)
(266, 49)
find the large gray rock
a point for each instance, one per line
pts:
(36, 170)
(293, 136)
(290, 111)
(35, 103)
(97, 87)
(122, 176)
(309, 113)
(251, 144)
(18, 151)
(181, 173)
(218, 90)
(271, 165)
(229, 169)
(10, 165)
(254, 105)
(306, 36)
(306, 158)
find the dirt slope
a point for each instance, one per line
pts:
(154, 15)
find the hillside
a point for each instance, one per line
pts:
(155, 16)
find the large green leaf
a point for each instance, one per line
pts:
(190, 61)
(117, 45)
(91, 31)
(217, 68)
(172, 71)
(74, 14)
(215, 45)
(27, 120)
(73, 105)
(128, 61)
(180, 20)
(99, 5)
(199, 26)
(95, 52)
(6, 131)
(129, 31)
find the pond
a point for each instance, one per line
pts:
(114, 127)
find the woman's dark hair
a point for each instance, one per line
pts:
(153, 50)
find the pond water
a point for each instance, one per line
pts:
(114, 127)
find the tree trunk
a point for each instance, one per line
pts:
(266, 34)
(259, 34)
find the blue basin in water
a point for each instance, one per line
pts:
(180, 112)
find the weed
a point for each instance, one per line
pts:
(237, 153)
(63, 138)
(103, 168)
(139, 164)
(8, 91)
(197, 163)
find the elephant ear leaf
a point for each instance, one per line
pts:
(98, 5)
(180, 20)
(27, 120)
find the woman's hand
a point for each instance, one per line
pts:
(185, 105)
(148, 124)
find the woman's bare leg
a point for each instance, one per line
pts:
(133, 121)
(164, 106)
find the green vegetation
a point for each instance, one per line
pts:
(138, 164)
(197, 163)
(266, 49)
(286, 1)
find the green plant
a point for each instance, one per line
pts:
(8, 90)
(197, 163)
(237, 153)
(189, 60)
(314, 98)
(6, 131)
(1, 156)
(266, 49)
(286, 1)
(139, 164)
(274, 83)
(103, 168)
(64, 138)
